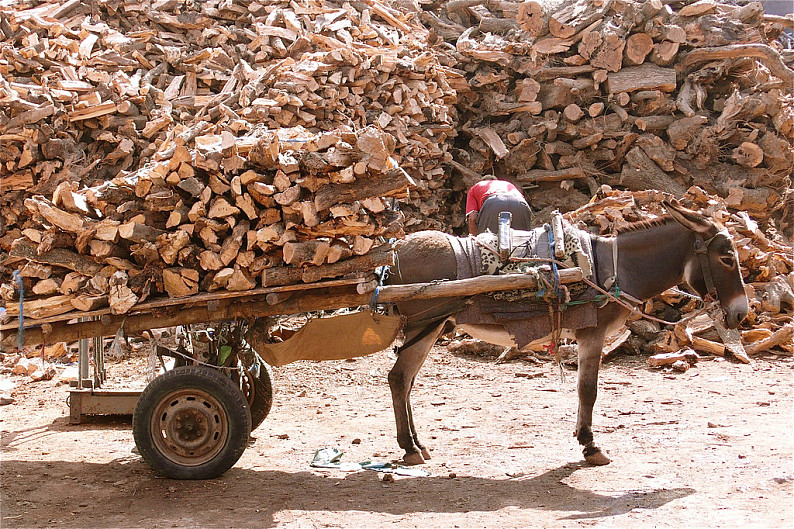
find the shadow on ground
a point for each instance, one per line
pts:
(125, 493)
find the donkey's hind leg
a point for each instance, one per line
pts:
(590, 342)
(411, 356)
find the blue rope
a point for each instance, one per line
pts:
(382, 272)
(373, 303)
(21, 331)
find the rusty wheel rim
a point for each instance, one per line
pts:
(189, 427)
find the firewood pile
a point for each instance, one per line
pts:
(127, 80)
(563, 96)
(154, 147)
(179, 226)
(222, 145)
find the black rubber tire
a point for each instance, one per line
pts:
(263, 395)
(191, 422)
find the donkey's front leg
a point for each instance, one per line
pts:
(411, 356)
(422, 448)
(590, 342)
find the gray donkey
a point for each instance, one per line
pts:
(645, 260)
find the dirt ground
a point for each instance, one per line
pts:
(709, 447)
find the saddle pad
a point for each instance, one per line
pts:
(535, 244)
(525, 320)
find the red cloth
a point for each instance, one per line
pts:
(484, 188)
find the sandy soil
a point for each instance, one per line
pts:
(709, 447)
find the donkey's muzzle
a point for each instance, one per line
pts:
(736, 311)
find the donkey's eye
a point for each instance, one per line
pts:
(727, 260)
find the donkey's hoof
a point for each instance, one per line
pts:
(426, 454)
(414, 458)
(597, 458)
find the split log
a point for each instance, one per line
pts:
(88, 302)
(66, 221)
(492, 139)
(573, 18)
(120, 297)
(643, 77)
(240, 280)
(138, 232)
(382, 255)
(45, 287)
(780, 336)
(540, 175)
(233, 243)
(179, 282)
(57, 256)
(640, 172)
(42, 308)
(387, 184)
(609, 56)
(664, 359)
(307, 252)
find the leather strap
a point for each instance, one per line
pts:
(702, 251)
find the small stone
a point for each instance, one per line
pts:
(387, 478)
(356, 441)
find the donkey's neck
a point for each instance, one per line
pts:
(651, 260)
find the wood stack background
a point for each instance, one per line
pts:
(154, 147)
(564, 96)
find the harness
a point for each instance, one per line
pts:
(702, 249)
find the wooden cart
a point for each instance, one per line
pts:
(194, 421)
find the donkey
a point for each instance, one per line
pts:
(651, 257)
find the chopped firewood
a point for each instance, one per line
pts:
(180, 282)
(779, 337)
(300, 253)
(665, 359)
(638, 46)
(86, 302)
(42, 308)
(643, 77)
(121, 298)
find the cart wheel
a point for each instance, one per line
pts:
(260, 394)
(191, 423)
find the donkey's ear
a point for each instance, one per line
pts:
(688, 218)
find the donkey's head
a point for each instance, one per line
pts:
(713, 267)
